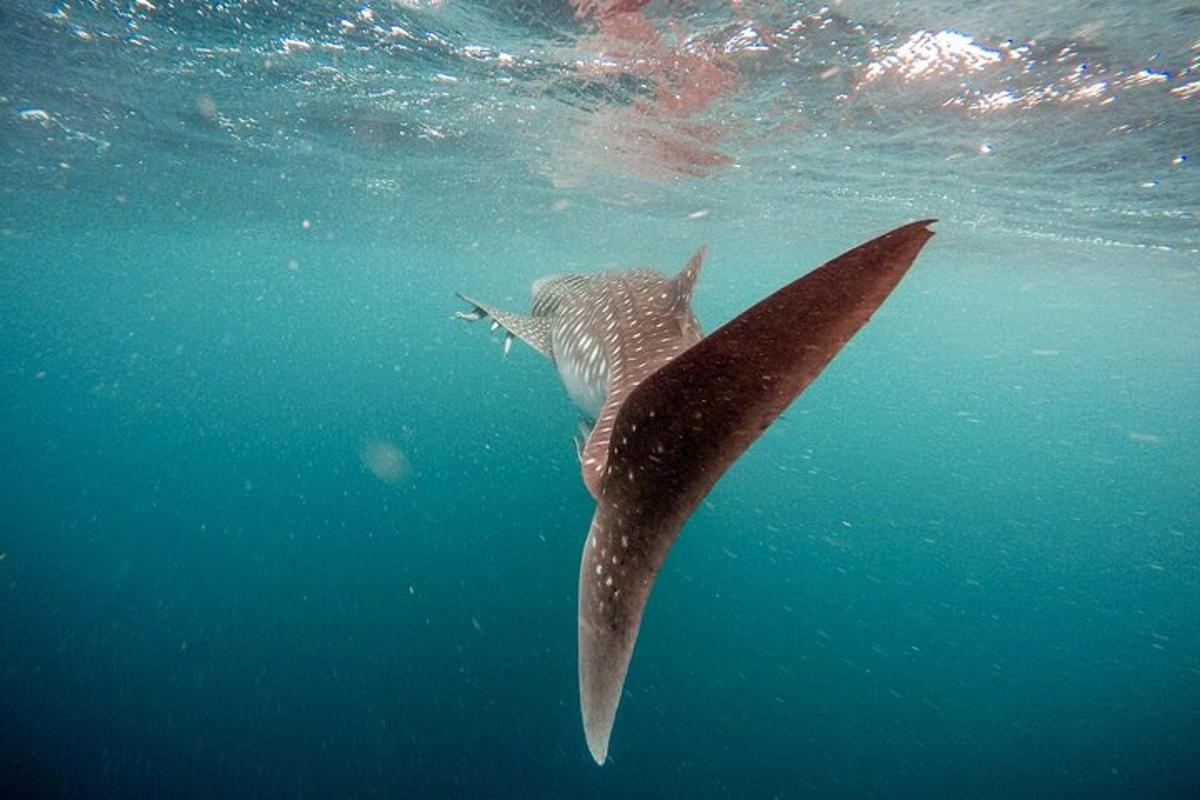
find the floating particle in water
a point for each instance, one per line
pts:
(986, 149)
(384, 460)
(1144, 438)
(701, 214)
(206, 106)
(306, 223)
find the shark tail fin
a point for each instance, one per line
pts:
(533, 331)
(682, 427)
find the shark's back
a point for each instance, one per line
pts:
(610, 330)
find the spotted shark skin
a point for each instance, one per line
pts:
(673, 410)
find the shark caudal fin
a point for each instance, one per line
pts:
(682, 427)
(533, 331)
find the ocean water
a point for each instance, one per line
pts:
(273, 524)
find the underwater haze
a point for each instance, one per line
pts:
(274, 524)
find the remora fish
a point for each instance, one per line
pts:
(673, 410)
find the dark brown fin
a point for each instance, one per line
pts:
(684, 425)
(533, 331)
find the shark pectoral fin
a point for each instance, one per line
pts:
(583, 429)
(534, 331)
(678, 430)
(594, 455)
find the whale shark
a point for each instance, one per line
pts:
(668, 410)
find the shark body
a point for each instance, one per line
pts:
(672, 411)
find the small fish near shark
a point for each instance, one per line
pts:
(673, 409)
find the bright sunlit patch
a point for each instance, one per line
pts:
(291, 45)
(1092, 91)
(34, 115)
(747, 39)
(927, 54)
(1188, 90)
(1147, 76)
(417, 5)
(994, 101)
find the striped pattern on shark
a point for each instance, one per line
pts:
(673, 410)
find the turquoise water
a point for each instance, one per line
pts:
(272, 524)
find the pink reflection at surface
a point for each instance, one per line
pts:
(655, 136)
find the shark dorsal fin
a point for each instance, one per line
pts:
(679, 429)
(685, 281)
(533, 331)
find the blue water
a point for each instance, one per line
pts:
(272, 524)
